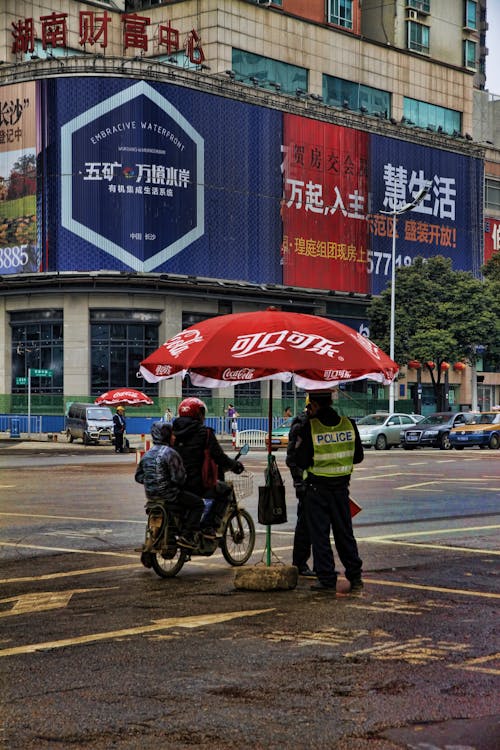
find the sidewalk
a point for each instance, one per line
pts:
(59, 442)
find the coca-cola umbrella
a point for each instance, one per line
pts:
(128, 396)
(318, 353)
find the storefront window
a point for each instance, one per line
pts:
(37, 344)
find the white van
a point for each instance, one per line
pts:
(91, 423)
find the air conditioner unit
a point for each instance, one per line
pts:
(412, 15)
(264, 2)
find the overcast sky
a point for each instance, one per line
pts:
(493, 44)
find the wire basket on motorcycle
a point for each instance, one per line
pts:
(242, 483)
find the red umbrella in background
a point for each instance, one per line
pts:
(128, 396)
(318, 353)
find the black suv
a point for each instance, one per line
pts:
(434, 430)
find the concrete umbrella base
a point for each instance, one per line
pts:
(266, 578)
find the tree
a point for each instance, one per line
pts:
(441, 315)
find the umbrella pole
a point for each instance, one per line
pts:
(269, 452)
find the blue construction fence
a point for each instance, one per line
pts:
(18, 424)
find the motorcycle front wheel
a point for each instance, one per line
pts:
(239, 538)
(168, 564)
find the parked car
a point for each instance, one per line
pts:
(484, 430)
(90, 423)
(279, 436)
(434, 430)
(383, 430)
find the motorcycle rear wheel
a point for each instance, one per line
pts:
(238, 541)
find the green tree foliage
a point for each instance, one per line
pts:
(441, 315)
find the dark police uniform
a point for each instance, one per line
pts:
(329, 446)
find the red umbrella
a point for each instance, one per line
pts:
(318, 353)
(269, 345)
(129, 396)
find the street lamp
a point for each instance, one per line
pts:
(394, 213)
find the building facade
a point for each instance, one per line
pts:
(164, 162)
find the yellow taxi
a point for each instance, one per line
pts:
(482, 430)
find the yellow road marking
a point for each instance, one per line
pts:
(67, 574)
(421, 545)
(473, 665)
(72, 518)
(42, 601)
(440, 589)
(66, 549)
(196, 621)
(432, 532)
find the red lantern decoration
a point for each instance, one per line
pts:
(430, 365)
(445, 366)
(414, 364)
(459, 366)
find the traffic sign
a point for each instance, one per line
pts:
(21, 381)
(41, 373)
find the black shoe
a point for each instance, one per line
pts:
(357, 587)
(184, 541)
(325, 589)
(147, 559)
(307, 572)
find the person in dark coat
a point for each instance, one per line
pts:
(329, 447)
(192, 436)
(302, 538)
(163, 475)
(119, 427)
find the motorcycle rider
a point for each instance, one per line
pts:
(163, 475)
(192, 436)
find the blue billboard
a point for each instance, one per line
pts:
(446, 222)
(157, 178)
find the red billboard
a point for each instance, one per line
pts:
(491, 237)
(324, 206)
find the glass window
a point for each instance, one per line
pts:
(418, 37)
(492, 194)
(470, 54)
(338, 92)
(37, 343)
(256, 70)
(423, 5)
(424, 115)
(340, 13)
(471, 14)
(118, 346)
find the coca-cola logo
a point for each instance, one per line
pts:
(244, 373)
(163, 370)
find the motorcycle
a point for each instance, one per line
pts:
(235, 535)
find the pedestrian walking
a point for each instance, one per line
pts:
(231, 415)
(327, 447)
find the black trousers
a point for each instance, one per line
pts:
(193, 507)
(327, 507)
(119, 441)
(302, 538)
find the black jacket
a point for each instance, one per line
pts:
(191, 439)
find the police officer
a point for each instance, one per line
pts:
(301, 538)
(327, 447)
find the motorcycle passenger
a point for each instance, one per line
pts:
(192, 437)
(163, 475)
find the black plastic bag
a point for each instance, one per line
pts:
(272, 505)
(272, 501)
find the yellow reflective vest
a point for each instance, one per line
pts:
(333, 448)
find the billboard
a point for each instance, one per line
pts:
(447, 222)
(19, 252)
(491, 237)
(153, 177)
(159, 178)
